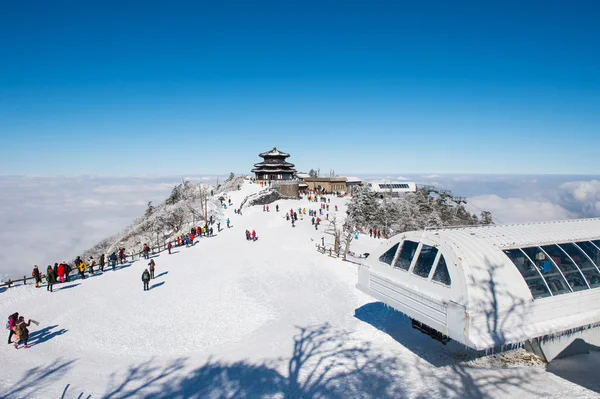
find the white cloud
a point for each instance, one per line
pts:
(133, 188)
(517, 210)
(582, 197)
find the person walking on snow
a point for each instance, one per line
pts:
(253, 235)
(22, 332)
(61, 273)
(113, 260)
(36, 274)
(152, 265)
(12, 322)
(50, 278)
(81, 268)
(169, 246)
(227, 222)
(146, 279)
(102, 262)
(67, 271)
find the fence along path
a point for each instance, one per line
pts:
(23, 281)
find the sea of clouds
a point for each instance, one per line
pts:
(47, 219)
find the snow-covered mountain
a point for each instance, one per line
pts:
(231, 318)
(187, 206)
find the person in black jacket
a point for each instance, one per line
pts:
(146, 279)
(36, 275)
(67, 271)
(102, 262)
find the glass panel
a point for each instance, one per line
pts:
(597, 243)
(588, 269)
(567, 267)
(530, 273)
(441, 274)
(406, 255)
(553, 278)
(388, 256)
(425, 261)
(591, 251)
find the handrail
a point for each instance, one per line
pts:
(23, 281)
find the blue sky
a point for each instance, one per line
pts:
(102, 87)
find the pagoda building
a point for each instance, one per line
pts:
(274, 166)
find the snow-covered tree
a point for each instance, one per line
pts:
(413, 211)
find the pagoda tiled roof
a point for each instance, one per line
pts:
(274, 153)
(274, 164)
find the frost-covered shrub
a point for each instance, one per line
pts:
(413, 211)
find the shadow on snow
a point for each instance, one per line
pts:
(45, 334)
(324, 364)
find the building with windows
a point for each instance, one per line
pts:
(394, 189)
(536, 284)
(274, 166)
(326, 184)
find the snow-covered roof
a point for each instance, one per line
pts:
(274, 153)
(302, 175)
(533, 279)
(392, 186)
(527, 234)
(352, 179)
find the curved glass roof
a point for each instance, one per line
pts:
(557, 269)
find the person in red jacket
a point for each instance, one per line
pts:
(253, 235)
(61, 273)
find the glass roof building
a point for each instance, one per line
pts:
(495, 285)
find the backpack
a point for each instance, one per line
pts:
(18, 329)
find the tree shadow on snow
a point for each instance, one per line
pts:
(157, 285)
(45, 334)
(36, 379)
(324, 363)
(162, 274)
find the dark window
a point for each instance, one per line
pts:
(555, 280)
(425, 261)
(406, 255)
(589, 270)
(441, 274)
(388, 256)
(567, 267)
(530, 273)
(591, 251)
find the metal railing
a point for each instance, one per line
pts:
(132, 257)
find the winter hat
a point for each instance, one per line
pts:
(35, 267)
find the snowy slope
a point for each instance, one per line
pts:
(234, 319)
